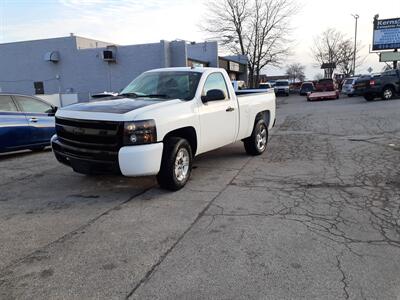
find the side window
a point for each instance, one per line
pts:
(215, 81)
(32, 105)
(7, 104)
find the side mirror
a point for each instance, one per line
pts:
(213, 95)
(53, 110)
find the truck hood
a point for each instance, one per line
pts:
(115, 106)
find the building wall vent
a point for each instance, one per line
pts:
(53, 56)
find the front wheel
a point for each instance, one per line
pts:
(257, 142)
(176, 164)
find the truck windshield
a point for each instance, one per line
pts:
(282, 83)
(164, 85)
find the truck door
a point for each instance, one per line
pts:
(218, 119)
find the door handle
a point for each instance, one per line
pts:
(229, 109)
(34, 120)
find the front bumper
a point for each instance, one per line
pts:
(348, 91)
(141, 160)
(281, 91)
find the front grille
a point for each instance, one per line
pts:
(90, 139)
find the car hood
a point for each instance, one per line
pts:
(115, 106)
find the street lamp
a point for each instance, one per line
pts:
(355, 44)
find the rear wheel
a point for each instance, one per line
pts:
(257, 142)
(176, 164)
(369, 97)
(387, 93)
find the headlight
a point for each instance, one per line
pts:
(140, 132)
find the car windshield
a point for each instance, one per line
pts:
(307, 85)
(282, 83)
(164, 85)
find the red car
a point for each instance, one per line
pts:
(325, 89)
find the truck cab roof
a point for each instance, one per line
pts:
(187, 69)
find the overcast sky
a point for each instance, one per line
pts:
(142, 21)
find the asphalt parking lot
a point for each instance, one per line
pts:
(315, 217)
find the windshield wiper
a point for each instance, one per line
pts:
(134, 95)
(153, 96)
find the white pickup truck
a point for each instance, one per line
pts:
(160, 122)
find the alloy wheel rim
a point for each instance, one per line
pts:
(387, 93)
(181, 165)
(261, 138)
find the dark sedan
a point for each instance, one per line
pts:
(26, 122)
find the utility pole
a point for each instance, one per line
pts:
(355, 44)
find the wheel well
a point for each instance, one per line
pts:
(388, 85)
(188, 133)
(265, 115)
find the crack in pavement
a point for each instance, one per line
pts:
(153, 269)
(38, 253)
(343, 279)
(350, 198)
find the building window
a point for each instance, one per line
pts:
(39, 87)
(195, 63)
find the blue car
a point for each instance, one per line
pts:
(26, 122)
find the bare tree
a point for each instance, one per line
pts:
(326, 49)
(258, 29)
(332, 47)
(318, 76)
(296, 72)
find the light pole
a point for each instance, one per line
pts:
(355, 44)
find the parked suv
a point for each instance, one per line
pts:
(282, 87)
(385, 85)
(26, 122)
(348, 86)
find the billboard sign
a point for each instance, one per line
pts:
(386, 34)
(328, 66)
(389, 56)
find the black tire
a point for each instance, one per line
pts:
(167, 177)
(252, 144)
(350, 95)
(387, 93)
(369, 97)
